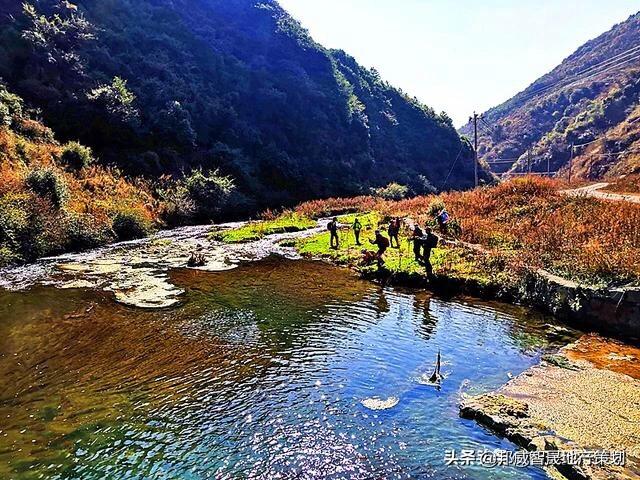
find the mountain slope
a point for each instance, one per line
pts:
(53, 198)
(592, 96)
(162, 86)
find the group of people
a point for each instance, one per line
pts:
(423, 240)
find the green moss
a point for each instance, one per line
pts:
(256, 230)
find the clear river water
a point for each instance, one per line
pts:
(275, 369)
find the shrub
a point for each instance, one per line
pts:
(5, 115)
(76, 155)
(48, 185)
(33, 130)
(209, 192)
(130, 225)
(10, 106)
(393, 191)
(435, 207)
(178, 207)
(116, 99)
(14, 218)
(8, 256)
(83, 231)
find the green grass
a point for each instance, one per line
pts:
(450, 261)
(371, 219)
(253, 231)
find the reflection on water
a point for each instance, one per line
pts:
(263, 371)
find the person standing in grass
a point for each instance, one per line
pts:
(357, 227)
(393, 231)
(430, 241)
(417, 237)
(382, 243)
(443, 219)
(333, 230)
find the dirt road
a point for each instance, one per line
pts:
(596, 190)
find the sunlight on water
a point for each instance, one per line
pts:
(275, 369)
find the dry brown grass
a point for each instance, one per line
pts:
(627, 184)
(529, 223)
(30, 225)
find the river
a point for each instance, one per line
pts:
(277, 368)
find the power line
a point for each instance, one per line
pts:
(605, 63)
(453, 166)
(535, 93)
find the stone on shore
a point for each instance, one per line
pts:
(587, 397)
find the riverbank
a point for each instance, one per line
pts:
(472, 269)
(524, 241)
(585, 397)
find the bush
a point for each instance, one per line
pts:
(5, 115)
(393, 191)
(48, 185)
(129, 225)
(435, 207)
(76, 155)
(10, 106)
(178, 208)
(209, 192)
(33, 130)
(8, 257)
(84, 232)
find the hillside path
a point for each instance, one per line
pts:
(596, 190)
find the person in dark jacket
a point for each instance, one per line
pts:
(430, 242)
(382, 243)
(417, 237)
(393, 231)
(333, 230)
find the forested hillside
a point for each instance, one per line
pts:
(591, 100)
(235, 87)
(54, 198)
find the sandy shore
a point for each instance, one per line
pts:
(587, 396)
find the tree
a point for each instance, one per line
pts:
(209, 192)
(116, 100)
(58, 37)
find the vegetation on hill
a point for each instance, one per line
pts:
(54, 198)
(592, 96)
(236, 87)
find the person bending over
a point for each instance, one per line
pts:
(382, 243)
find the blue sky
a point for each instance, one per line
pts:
(461, 55)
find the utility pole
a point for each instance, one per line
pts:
(570, 161)
(529, 161)
(475, 147)
(548, 166)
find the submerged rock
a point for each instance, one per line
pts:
(137, 272)
(569, 403)
(376, 403)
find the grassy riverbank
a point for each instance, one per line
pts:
(504, 232)
(252, 231)
(521, 225)
(447, 260)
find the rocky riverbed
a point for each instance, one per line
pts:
(137, 271)
(586, 397)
